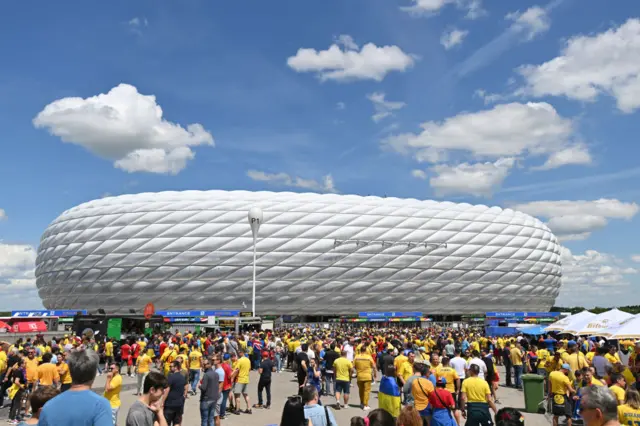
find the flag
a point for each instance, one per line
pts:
(389, 396)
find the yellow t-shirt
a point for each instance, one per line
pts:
(516, 357)
(194, 359)
(143, 362)
(476, 389)
(590, 356)
(628, 415)
(113, 395)
(596, 382)
(450, 376)
(47, 374)
(406, 370)
(542, 355)
(628, 376)
(613, 359)
(363, 364)
(3, 361)
(577, 361)
(342, 366)
(559, 382)
(108, 349)
(421, 388)
(618, 392)
(63, 371)
(32, 369)
(397, 363)
(244, 366)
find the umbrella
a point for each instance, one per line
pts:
(597, 323)
(569, 321)
(629, 330)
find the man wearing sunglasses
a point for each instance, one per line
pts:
(599, 406)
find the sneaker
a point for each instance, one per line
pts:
(337, 406)
(266, 407)
(257, 405)
(247, 411)
(366, 407)
(236, 412)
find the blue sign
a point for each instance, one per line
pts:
(522, 314)
(388, 314)
(64, 313)
(174, 314)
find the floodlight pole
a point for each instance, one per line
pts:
(255, 219)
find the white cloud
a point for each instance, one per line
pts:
(419, 174)
(432, 7)
(524, 27)
(347, 41)
(531, 22)
(608, 62)
(383, 107)
(584, 274)
(126, 127)
(576, 154)
(575, 220)
(341, 105)
(369, 63)
(488, 98)
(283, 179)
(479, 179)
(3, 215)
(636, 258)
(17, 277)
(506, 130)
(452, 38)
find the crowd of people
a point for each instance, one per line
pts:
(440, 377)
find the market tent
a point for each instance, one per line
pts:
(600, 322)
(29, 326)
(629, 330)
(569, 321)
(613, 328)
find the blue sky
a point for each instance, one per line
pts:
(533, 107)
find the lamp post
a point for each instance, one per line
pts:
(255, 219)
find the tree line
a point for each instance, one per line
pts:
(632, 309)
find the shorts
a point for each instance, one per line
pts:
(240, 388)
(173, 415)
(343, 387)
(134, 361)
(561, 405)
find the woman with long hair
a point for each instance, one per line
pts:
(629, 412)
(293, 413)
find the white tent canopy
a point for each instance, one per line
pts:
(601, 321)
(569, 321)
(630, 329)
(614, 328)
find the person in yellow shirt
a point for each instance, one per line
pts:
(343, 369)
(516, 356)
(398, 361)
(364, 366)
(112, 390)
(618, 385)
(108, 351)
(476, 397)
(406, 369)
(242, 387)
(48, 373)
(168, 357)
(543, 356)
(450, 375)
(629, 412)
(143, 366)
(421, 388)
(63, 372)
(194, 369)
(588, 379)
(612, 356)
(560, 390)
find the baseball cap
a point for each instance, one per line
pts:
(571, 343)
(442, 381)
(265, 354)
(226, 356)
(566, 366)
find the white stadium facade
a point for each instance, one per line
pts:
(316, 255)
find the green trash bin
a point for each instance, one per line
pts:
(533, 392)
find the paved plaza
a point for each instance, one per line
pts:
(284, 385)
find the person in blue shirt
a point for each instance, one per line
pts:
(89, 409)
(550, 343)
(315, 412)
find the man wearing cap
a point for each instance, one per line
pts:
(265, 370)
(560, 390)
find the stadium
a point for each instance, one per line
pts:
(317, 254)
